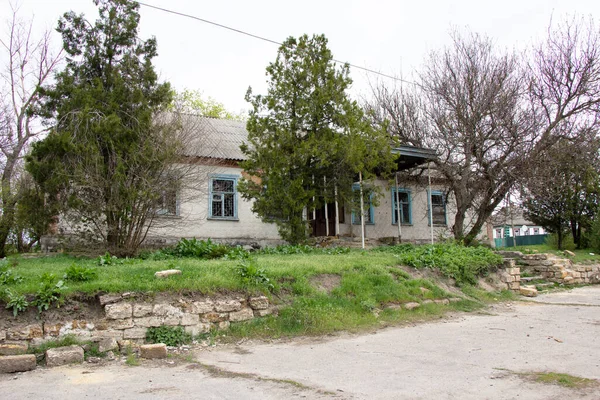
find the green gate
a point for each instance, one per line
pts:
(527, 240)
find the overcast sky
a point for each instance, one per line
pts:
(389, 36)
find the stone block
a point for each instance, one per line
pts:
(190, 319)
(215, 317)
(134, 333)
(509, 263)
(108, 333)
(108, 344)
(227, 305)
(109, 299)
(259, 303)
(121, 323)
(147, 322)
(12, 349)
(411, 306)
(514, 285)
(166, 310)
(17, 363)
(576, 274)
(202, 307)
(514, 271)
(528, 291)
(25, 333)
(128, 346)
(223, 325)
(142, 310)
(568, 280)
(167, 273)
(152, 351)
(64, 355)
(195, 330)
(243, 315)
(172, 320)
(535, 257)
(263, 313)
(428, 301)
(118, 310)
(52, 329)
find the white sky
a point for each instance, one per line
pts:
(389, 36)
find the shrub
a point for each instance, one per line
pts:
(77, 273)
(205, 249)
(169, 335)
(303, 249)
(7, 277)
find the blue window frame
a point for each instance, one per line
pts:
(438, 211)
(404, 197)
(368, 204)
(222, 197)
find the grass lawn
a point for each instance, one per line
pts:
(582, 256)
(365, 284)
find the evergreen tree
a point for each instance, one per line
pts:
(106, 158)
(304, 132)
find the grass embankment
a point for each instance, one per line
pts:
(318, 293)
(582, 256)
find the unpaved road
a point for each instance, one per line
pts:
(466, 357)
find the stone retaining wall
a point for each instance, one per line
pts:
(128, 318)
(510, 274)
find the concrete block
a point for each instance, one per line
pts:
(19, 363)
(64, 355)
(152, 351)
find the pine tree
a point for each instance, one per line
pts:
(304, 132)
(106, 159)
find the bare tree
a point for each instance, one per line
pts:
(489, 115)
(29, 64)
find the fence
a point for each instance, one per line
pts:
(527, 240)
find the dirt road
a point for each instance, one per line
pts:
(485, 356)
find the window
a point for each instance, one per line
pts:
(368, 205)
(499, 232)
(223, 199)
(405, 206)
(536, 231)
(517, 232)
(438, 209)
(168, 203)
(527, 232)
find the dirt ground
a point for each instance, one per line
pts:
(466, 356)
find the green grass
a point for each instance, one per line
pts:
(366, 283)
(582, 256)
(556, 378)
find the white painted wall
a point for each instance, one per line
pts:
(529, 229)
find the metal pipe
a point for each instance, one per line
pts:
(430, 202)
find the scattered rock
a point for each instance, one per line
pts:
(569, 253)
(107, 344)
(167, 273)
(152, 351)
(18, 363)
(528, 291)
(411, 306)
(444, 302)
(263, 313)
(12, 349)
(94, 360)
(64, 355)
(424, 290)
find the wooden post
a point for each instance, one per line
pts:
(326, 209)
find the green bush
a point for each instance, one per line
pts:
(169, 335)
(17, 302)
(77, 273)
(7, 277)
(204, 249)
(464, 264)
(568, 244)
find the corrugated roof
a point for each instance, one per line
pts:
(214, 138)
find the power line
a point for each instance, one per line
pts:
(265, 39)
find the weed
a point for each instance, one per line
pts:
(132, 360)
(7, 277)
(50, 292)
(169, 335)
(17, 302)
(252, 275)
(107, 259)
(77, 273)
(237, 253)
(67, 340)
(205, 249)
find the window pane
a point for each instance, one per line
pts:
(223, 185)
(228, 210)
(217, 209)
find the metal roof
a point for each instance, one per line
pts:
(214, 138)
(411, 156)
